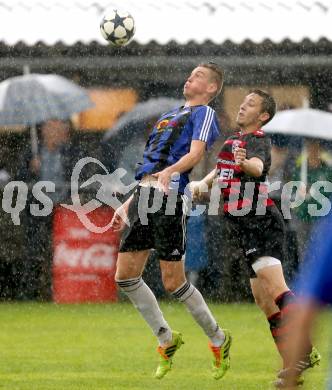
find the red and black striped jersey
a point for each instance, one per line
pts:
(240, 190)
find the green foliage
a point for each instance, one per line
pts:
(99, 347)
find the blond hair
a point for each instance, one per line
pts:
(217, 74)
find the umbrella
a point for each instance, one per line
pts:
(141, 114)
(34, 98)
(305, 122)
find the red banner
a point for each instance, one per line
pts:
(83, 262)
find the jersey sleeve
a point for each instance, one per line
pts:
(259, 147)
(205, 125)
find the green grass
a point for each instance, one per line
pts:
(99, 347)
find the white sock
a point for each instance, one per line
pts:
(145, 302)
(196, 305)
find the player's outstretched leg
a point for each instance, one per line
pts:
(166, 355)
(310, 360)
(221, 356)
(220, 342)
(293, 376)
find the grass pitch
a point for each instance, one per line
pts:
(109, 347)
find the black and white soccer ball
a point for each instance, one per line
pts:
(117, 27)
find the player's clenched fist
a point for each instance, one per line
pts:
(197, 189)
(240, 155)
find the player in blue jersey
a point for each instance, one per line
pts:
(314, 286)
(177, 143)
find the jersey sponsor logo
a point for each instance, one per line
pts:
(236, 144)
(162, 125)
(166, 124)
(227, 162)
(226, 174)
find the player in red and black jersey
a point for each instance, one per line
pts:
(252, 222)
(233, 177)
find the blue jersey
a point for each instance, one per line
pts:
(171, 138)
(315, 281)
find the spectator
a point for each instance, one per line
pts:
(318, 170)
(283, 151)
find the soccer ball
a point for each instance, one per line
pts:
(117, 27)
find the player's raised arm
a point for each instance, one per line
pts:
(252, 167)
(186, 163)
(200, 187)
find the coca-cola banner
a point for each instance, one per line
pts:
(83, 261)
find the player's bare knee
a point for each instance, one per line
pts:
(122, 275)
(171, 285)
(273, 289)
(260, 300)
(130, 265)
(172, 274)
(266, 304)
(127, 272)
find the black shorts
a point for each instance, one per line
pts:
(256, 235)
(156, 230)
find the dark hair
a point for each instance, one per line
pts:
(268, 104)
(217, 74)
